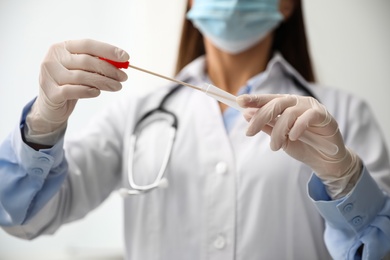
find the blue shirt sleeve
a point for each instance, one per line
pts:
(362, 218)
(28, 178)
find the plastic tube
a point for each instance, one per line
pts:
(221, 95)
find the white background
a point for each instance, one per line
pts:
(349, 41)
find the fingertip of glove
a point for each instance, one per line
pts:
(242, 100)
(275, 146)
(122, 55)
(249, 134)
(94, 92)
(123, 77)
(250, 131)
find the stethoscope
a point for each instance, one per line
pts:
(160, 113)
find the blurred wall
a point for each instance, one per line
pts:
(349, 43)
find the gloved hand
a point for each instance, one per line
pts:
(286, 118)
(71, 70)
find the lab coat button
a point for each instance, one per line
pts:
(219, 242)
(37, 171)
(221, 168)
(43, 160)
(348, 207)
(357, 221)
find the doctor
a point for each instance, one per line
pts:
(239, 187)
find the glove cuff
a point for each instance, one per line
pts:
(338, 187)
(39, 124)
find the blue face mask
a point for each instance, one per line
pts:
(235, 25)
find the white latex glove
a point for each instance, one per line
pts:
(71, 70)
(286, 118)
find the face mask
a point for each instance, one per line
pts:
(234, 26)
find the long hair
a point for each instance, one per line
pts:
(289, 39)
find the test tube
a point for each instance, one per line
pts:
(221, 95)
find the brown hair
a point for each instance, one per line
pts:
(289, 39)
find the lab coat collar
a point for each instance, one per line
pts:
(276, 68)
(278, 65)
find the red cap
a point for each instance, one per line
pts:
(119, 65)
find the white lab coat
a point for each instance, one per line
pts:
(229, 195)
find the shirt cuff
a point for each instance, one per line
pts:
(49, 138)
(51, 157)
(354, 211)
